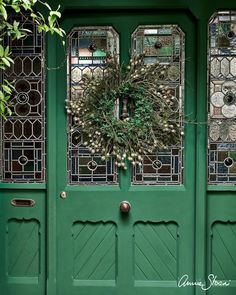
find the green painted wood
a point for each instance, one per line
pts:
(155, 251)
(221, 239)
(51, 167)
(214, 205)
(152, 204)
(22, 266)
(94, 251)
(201, 157)
(23, 186)
(223, 254)
(23, 249)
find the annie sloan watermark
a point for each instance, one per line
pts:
(211, 281)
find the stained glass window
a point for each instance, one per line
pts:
(90, 48)
(222, 98)
(163, 43)
(23, 133)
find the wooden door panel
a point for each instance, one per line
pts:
(155, 251)
(221, 258)
(23, 243)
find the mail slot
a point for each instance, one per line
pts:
(22, 202)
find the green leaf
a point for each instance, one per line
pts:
(8, 111)
(2, 107)
(10, 59)
(7, 89)
(42, 17)
(47, 5)
(6, 62)
(3, 11)
(15, 25)
(6, 51)
(57, 13)
(51, 20)
(26, 30)
(16, 7)
(33, 15)
(10, 84)
(58, 31)
(1, 95)
(1, 51)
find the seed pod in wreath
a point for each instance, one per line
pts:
(127, 112)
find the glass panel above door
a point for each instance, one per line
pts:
(90, 49)
(163, 43)
(222, 98)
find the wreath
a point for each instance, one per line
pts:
(126, 112)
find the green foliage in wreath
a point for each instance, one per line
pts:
(126, 112)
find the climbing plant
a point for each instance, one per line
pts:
(30, 10)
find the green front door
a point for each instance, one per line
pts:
(100, 249)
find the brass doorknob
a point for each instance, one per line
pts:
(125, 206)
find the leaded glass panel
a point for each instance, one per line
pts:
(23, 133)
(222, 98)
(90, 48)
(163, 43)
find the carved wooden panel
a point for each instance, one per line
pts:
(223, 253)
(155, 251)
(23, 248)
(94, 254)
